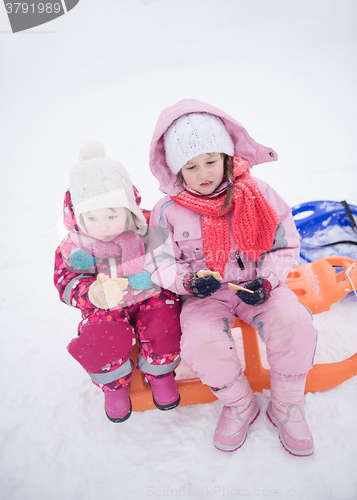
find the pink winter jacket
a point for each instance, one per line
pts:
(175, 233)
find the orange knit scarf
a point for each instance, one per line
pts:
(254, 221)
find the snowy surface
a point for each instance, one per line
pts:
(287, 71)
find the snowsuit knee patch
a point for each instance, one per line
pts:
(100, 344)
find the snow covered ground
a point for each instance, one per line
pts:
(287, 71)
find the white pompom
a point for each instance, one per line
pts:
(91, 149)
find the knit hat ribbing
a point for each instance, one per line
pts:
(194, 134)
(98, 182)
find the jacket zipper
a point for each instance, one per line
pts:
(239, 260)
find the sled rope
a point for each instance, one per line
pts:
(348, 274)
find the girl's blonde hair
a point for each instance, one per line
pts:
(227, 177)
(130, 222)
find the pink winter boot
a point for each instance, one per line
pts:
(239, 411)
(286, 412)
(164, 392)
(117, 404)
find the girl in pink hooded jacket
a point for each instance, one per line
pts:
(217, 217)
(99, 268)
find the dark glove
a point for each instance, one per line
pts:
(200, 287)
(261, 288)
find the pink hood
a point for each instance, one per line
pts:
(244, 145)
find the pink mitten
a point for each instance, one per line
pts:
(106, 292)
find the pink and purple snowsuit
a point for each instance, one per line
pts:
(282, 322)
(105, 337)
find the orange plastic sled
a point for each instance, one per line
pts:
(318, 286)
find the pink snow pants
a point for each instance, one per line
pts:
(104, 344)
(283, 324)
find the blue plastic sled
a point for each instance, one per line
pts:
(326, 228)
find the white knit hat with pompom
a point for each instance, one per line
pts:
(99, 182)
(194, 134)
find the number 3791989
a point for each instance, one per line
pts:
(34, 8)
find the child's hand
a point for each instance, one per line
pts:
(261, 288)
(201, 287)
(140, 281)
(105, 292)
(81, 259)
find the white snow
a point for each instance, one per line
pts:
(287, 71)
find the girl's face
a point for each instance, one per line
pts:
(204, 173)
(105, 224)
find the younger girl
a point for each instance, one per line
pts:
(217, 217)
(99, 269)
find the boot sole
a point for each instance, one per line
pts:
(167, 407)
(295, 453)
(122, 419)
(229, 449)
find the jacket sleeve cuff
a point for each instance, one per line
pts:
(271, 277)
(187, 282)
